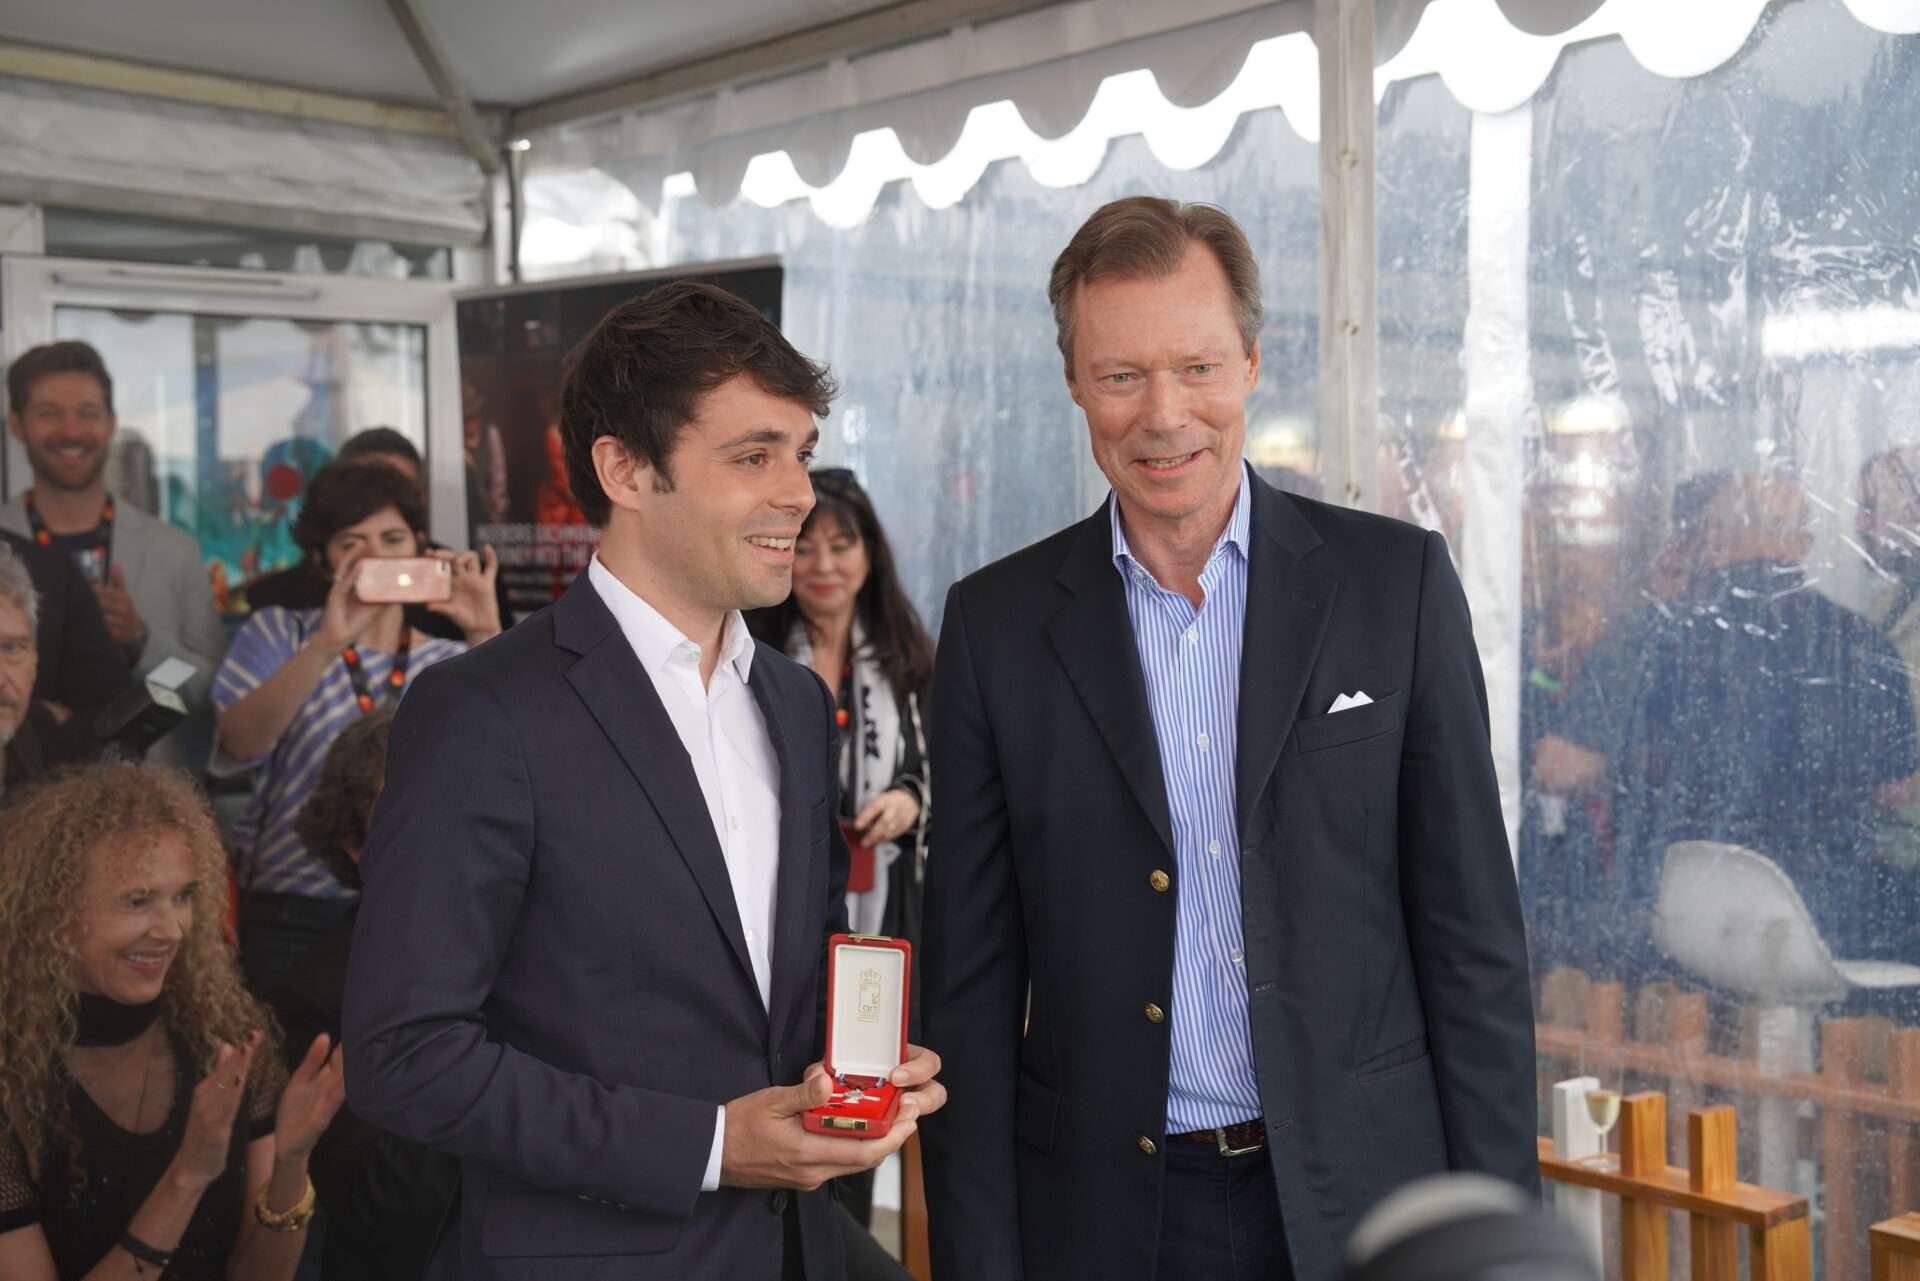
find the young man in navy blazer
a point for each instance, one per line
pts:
(603, 871)
(1222, 938)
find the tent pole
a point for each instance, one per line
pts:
(1349, 393)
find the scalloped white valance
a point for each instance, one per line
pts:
(1216, 60)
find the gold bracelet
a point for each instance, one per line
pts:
(284, 1220)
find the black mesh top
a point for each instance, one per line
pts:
(120, 1170)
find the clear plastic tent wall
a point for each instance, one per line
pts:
(1650, 357)
(1699, 341)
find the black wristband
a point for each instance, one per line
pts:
(143, 1252)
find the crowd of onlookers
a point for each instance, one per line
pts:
(174, 982)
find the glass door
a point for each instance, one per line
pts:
(232, 388)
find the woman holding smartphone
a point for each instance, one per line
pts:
(293, 678)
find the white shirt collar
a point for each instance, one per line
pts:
(657, 642)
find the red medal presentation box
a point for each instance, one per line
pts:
(867, 976)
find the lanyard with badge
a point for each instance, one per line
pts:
(95, 562)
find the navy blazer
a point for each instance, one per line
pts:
(1387, 977)
(549, 977)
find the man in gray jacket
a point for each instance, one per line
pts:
(148, 576)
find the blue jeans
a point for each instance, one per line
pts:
(1220, 1218)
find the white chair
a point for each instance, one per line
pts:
(1734, 918)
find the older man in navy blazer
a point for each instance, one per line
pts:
(1222, 936)
(604, 868)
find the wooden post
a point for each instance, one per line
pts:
(1687, 1026)
(1687, 1023)
(1842, 1045)
(1606, 1031)
(1782, 1253)
(1606, 1012)
(1650, 1003)
(915, 1256)
(1712, 1160)
(1563, 997)
(1896, 1249)
(1643, 1154)
(1903, 1082)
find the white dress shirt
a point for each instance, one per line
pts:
(726, 739)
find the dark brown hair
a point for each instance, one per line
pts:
(900, 642)
(1146, 237)
(640, 374)
(342, 494)
(379, 442)
(334, 821)
(70, 357)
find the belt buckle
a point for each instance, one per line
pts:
(1220, 1137)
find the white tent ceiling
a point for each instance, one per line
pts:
(509, 53)
(515, 56)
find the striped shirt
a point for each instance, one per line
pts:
(1191, 660)
(269, 852)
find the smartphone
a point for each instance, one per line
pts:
(403, 580)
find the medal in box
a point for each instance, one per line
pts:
(867, 977)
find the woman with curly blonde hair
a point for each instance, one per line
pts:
(146, 1125)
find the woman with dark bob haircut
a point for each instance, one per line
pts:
(147, 1123)
(294, 677)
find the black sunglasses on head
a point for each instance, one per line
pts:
(834, 478)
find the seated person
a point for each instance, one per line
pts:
(147, 1126)
(384, 1197)
(1758, 712)
(1888, 516)
(30, 731)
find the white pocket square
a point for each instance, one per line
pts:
(1347, 702)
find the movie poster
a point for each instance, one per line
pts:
(512, 345)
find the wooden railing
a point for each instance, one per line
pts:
(1866, 1087)
(1717, 1205)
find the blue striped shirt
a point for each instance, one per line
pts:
(1191, 660)
(271, 857)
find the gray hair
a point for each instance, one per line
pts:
(16, 586)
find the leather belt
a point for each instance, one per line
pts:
(1243, 1139)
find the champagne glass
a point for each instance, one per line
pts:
(1603, 1108)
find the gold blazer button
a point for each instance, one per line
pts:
(1155, 1014)
(1160, 881)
